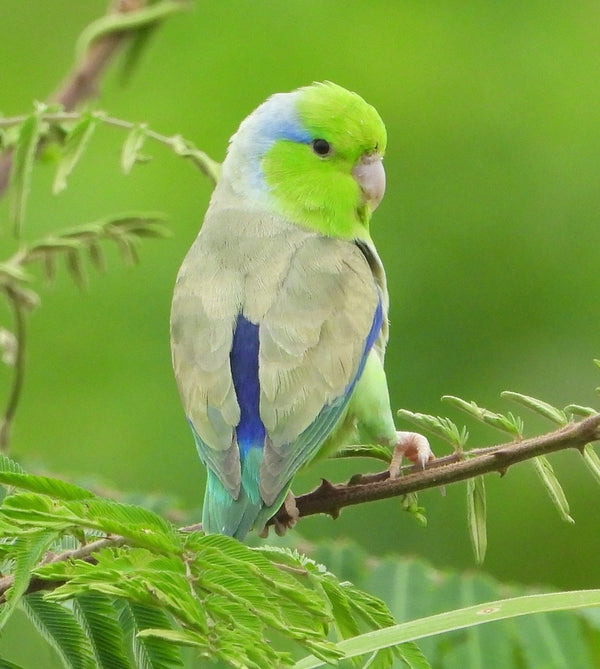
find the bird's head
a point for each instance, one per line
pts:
(313, 155)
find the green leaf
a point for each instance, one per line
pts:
(7, 465)
(40, 484)
(476, 516)
(345, 621)
(543, 408)
(186, 149)
(5, 664)
(410, 503)
(511, 424)
(148, 652)
(132, 573)
(27, 550)
(130, 153)
(441, 427)
(75, 143)
(460, 619)
(138, 525)
(98, 619)
(14, 272)
(592, 460)
(578, 410)
(22, 167)
(412, 656)
(125, 229)
(553, 488)
(139, 225)
(374, 451)
(62, 631)
(181, 637)
(75, 267)
(97, 256)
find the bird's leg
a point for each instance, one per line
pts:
(285, 518)
(412, 445)
(291, 515)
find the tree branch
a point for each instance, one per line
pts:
(330, 499)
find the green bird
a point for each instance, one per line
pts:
(279, 315)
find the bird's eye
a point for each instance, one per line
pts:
(321, 147)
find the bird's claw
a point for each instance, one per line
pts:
(412, 445)
(285, 519)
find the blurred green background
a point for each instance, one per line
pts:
(489, 231)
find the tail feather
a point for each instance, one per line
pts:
(224, 515)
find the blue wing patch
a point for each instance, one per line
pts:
(243, 358)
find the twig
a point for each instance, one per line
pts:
(178, 144)
(19, 366)
(84, 552)
(330, 499)
(82, 82)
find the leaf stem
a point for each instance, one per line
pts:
(182, 147)
(14, 396)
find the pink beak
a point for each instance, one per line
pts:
(370, 175)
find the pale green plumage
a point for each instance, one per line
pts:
(278, 248)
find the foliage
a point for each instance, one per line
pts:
(169, 587)
(134, 596)
(424, 599)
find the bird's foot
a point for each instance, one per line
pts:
(412, 445)
(285, 519)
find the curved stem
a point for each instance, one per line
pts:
(19, 374)
(181, 146)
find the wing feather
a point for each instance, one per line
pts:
(312, 342)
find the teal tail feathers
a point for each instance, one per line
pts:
(224, 515)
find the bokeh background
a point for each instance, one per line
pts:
(490, 231)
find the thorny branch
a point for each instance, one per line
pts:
(330, 499)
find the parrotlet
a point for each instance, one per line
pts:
(279, 321)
